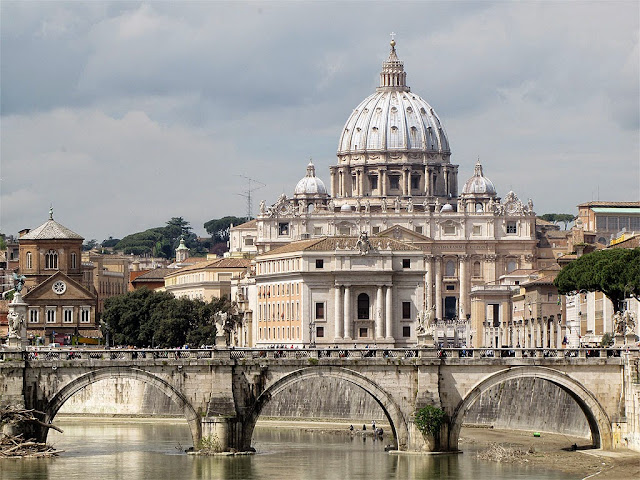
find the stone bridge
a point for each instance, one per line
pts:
(222, 391)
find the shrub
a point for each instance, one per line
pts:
(429, 420)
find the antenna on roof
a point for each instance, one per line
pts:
(248, 191)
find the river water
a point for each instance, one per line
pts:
(132, 450)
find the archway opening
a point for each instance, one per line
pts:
(337, 395)
(126, 393)
(534, 399)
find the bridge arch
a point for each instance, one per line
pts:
(66, 392)
(597, 418)
(389, 406)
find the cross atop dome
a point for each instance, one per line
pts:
(393, 75)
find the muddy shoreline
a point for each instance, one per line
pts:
(550, 451)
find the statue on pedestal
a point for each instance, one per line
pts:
(16, 321)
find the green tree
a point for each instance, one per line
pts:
(554, 218)
(219, 228)
(110, 242)
(89, 244)
(614, 272)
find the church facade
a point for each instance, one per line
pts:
(393, 239)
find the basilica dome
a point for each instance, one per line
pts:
(393, 118)
(478, 184)
(310, 185)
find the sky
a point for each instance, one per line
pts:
(122, 115)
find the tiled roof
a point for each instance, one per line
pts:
(609, 204)
(154, 275)
(544, 280)
(249, 224)
(51, 230)
(216, 263)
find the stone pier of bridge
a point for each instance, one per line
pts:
(222, 392)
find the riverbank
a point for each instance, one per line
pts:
(550, 451)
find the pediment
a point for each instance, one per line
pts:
(72, 290)
(403, 234)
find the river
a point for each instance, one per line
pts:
(131, 450)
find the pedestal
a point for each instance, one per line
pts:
(17, 318)
(425, 339)
(618, 340)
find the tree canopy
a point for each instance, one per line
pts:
(565, 218)
(614, 272)
(143, 318)
(161, 241)
(218, 228)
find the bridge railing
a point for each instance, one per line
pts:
(224, 354)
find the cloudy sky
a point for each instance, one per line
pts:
(124, 114)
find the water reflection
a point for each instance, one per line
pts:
(135, 450)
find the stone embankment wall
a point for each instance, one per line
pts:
(527, 403)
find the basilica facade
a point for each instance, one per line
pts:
(393, 239)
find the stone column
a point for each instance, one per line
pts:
(446, 181)
(545, 332)
(333, 183)
(347, 313)
(429, 280)
(361, 182)
(389, 314)
(383, 181)
(438, 298)
(338, 318)
(559, 333)
(552, 337)
(379, 335)
(464, 289)
(404, 182)
(427, 181)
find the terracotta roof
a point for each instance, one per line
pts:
(544, 280)
(609, 204)
(216, 263)
(557, 233)
(540, 221)
(249, 224)
(293, 247)
(153, 275)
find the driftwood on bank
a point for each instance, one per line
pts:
(17, 445)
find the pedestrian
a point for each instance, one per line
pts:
(364, 428)
(351, 428)
(373, 425)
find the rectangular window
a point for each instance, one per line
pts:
(317, 230)
(51, 315)
(67, 315)
(415, 182)
(319, 332)
(634, 223)
(418, 230)
(612, 223)
(406, 263)
(375, 230)
(85, 315)
(451, 287)
(34, 315)
(512, 227)
(601, 223)
(74, 261)
(373, 182)
(345, 231)
(248, 241)
(477, 230)
(406, 310)
(406, 332)
(394, 182)
(449, 229)
(319, 310)
(319, 263)
(283, 228)
(364, 332)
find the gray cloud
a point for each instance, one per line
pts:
(125, 114)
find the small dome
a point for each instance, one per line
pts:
(345, 208)
(446, 208)
(310, 185)
(478, 184)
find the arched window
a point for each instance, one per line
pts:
(51, 259)
(363, 306)
(476, 269)
(74, 261)
(511, 266)
(450, 269)
(29, 260)
(479, 207)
